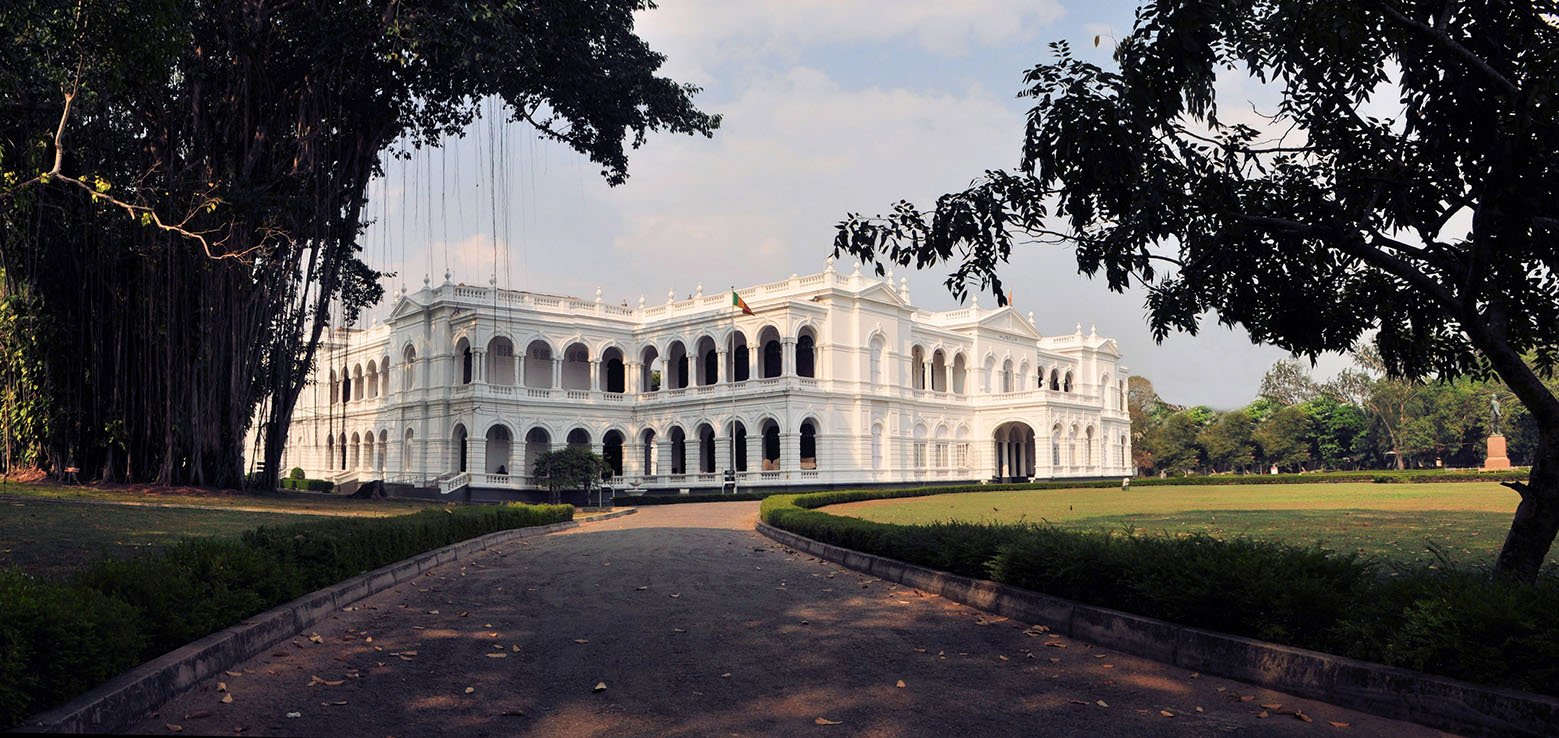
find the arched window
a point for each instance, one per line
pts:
(808, 444)
(1088, 447)
(612, 376)
(647, 443)
(579, 439)
(346, 385)
(576, 367)
(806, 354)
(357, 381)
(879, 451)
(876, 361)
(538, 364)
(650, 378)
(708, 362)
(408, 369)
(738, 439)
(922, 457)
(368, 450)
(406, 451)
(372, 378)
(917, 367)
(384, 375)
(773, 357)
(501, 365)
(675, 375)
(706, 449)
(341, 447)
(357, 451)
(960, 375)
(741, 368)
(498, 449)
(990, 374)
(537, 442)
(678, 450)
(1055, 379)
(1006, 376)
(334, 387)
(1055, 446)
(463, 350)
(1066, 386)
(330, 451)
(771, 445)
(612, 452)
(458, 440)
(938, 371)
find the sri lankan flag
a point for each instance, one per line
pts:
(737, 301)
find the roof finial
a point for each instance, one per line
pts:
(492, 280)
(598, 295)
(448, 276)
(700, 291)
(427, 281)
(904, 288)
(1093, 330)
(641, 302)
(857, 271)
(1079, 329)
(829, 262)
(1031, 317)
(976, 304)
(671, 296)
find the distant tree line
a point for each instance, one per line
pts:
(1359, 419)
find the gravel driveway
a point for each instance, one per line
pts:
(698, 626)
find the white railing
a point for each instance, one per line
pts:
(503, 481)
(446, 486)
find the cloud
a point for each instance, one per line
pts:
(796, 153)
(720, 30)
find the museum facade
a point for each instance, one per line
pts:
(833, 379)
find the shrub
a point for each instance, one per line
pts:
(1456, 623)
(59, 639)
(296, 473)
(311, 485)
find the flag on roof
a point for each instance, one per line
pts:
(737, 301)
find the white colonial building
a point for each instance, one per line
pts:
(837, 379)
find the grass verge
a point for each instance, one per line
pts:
(1451, 622)
(60, 639)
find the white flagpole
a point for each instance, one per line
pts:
(730, 427)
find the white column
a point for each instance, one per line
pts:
(787, 358)
(632, 376)
(557, 372)
(790, 452)
(723, 455)
(721, 376)
(595, 375)
(663, 455)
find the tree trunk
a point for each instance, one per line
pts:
(1537, 517)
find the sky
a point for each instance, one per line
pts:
(830, 107)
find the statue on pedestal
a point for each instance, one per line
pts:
(1495, 415)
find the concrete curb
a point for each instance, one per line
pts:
(117, 702)
(1388, 691)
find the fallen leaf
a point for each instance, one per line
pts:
(315, 638)
(1199, 708)
(726, 675)
(826, 721)
(1101, 703)
(433, 612)
(599, 687)
(469, 690)
(1336, 724)
(221, 686)
(294, 714)
(233, 673)
(1247, 697)
(198, 714)
(1274, 706)
(641, 589)
(497, 647)
(227, 699)
(464, 614)
(675, 595)
(173, 728)
(581, 641)
(1303, 716)
(515, 648)
(1056, 644)
(1078, 702)
(1263, 715)
(1107, 666)
(900, 684)
(512, 713)
(333, 703)
(678, 630)
(1003, 658)
(1166, 713)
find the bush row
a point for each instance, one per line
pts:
(60, 639)
(640, 500)
(308, 485)
(1454, 623)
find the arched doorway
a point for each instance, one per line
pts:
(647, 443)
(772, 362)
(458, 440)
(808, 444)
(498, 449)
(771, 445)
(537, 442)
(575, 373)
(613, 379)
(579, 438)
(678, 450)
(708, 361)
(501, 364)
(806, 353)
(738, 436)
(706, 449)
(1014, 451)
(612, 451)
(538, 364)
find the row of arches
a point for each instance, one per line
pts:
(939, 373)
(358, 383)
(681, 365)
(694, 451)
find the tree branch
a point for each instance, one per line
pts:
(1453, 46)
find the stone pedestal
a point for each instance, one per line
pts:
(1496, 458)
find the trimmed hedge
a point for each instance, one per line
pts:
(60, 639)
(1454, 623)
(308, 485)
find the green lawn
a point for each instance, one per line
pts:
(52, 530)
(1395, 522)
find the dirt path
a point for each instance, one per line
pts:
(699, 626)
